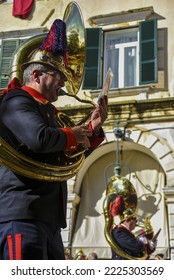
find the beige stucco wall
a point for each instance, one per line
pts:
(45, 11)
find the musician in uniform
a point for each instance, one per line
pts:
(125, 238)
(33, 211)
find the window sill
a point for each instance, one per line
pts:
(123, 91)
(137, 93)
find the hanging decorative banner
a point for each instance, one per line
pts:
(22, 8)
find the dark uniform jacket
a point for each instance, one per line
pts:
(28, 124)
(127, 242)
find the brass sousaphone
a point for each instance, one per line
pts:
(76, 49)
(119, 185)
(18, 162)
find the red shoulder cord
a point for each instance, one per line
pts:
(14, 84)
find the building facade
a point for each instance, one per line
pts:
(134, 39)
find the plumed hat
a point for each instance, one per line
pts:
(117, 206)
(53, 50)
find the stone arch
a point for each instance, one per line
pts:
(141, 140)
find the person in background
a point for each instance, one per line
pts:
(33, 211)
(159, 256)
(126, 240)
(92, 256)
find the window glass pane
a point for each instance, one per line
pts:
(130, 67)
(119, 37)
(120, 53)
(113, 62)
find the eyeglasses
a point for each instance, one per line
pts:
(56, 74)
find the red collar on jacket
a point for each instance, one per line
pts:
(39, 97)
(35, 94)
(123, 226)
(15, 84)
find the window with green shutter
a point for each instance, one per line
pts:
(7, 49)
(137, 56)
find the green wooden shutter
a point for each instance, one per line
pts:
(92, 78)
(7, 49)
(148, 52)
(162, 60)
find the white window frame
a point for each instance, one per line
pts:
(121, 47)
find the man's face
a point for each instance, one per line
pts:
(51, 82)
(132, 223)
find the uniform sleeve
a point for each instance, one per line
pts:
(128, 242)
(71, 144)
(96, 140)
(24, 121)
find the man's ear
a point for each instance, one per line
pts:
(36, 73)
